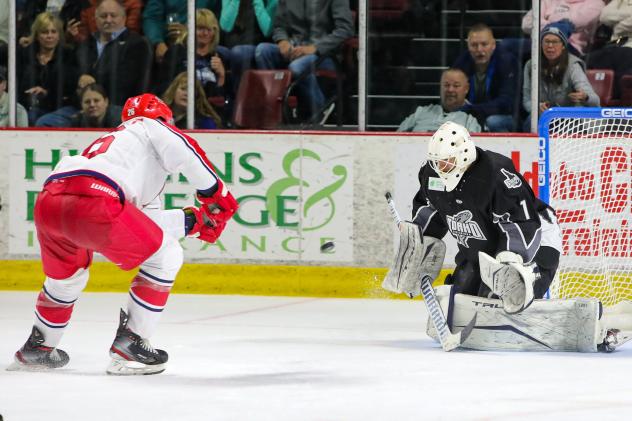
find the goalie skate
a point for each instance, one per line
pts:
(614, 339)
(34, 356)
(133, 355)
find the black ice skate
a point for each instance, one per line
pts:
(132, 354)
(35, 356)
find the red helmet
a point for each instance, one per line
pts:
(146, 105)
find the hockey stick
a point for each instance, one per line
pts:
(449, 340)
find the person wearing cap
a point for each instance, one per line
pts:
(22, 119)
(563, 80)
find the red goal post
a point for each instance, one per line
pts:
(585, 174)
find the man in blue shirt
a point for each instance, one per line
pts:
(493, 78)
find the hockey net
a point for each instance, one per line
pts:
(586, 176)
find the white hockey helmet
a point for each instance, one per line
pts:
(450, 153)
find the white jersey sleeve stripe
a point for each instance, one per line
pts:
(193, 149)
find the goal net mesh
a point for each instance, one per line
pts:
(590, 184)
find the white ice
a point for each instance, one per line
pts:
(280, 358)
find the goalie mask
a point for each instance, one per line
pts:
(450, 153)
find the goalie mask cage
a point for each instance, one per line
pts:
(585, 174)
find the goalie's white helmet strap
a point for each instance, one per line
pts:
(451, 152)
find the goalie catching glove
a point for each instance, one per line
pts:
(416, 257)
(509, 278)
(209, 220)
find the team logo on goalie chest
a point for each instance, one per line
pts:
(463, 228)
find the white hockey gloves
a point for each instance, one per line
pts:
(415, 258)
(509, 278)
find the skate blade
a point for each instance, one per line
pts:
(17, 366)
(132, 368)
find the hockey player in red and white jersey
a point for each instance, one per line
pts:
(108, 200)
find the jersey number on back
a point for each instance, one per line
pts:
(101, 145)
(98, 146)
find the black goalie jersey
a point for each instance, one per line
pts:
(492, 209)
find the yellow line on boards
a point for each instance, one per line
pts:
(199, 278)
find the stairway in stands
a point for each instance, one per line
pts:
(412, 41)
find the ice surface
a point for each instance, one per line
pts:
(279, 358)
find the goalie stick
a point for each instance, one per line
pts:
(449, 340)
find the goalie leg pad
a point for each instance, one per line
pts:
(416, 257)
(547, 325)
(510, 280)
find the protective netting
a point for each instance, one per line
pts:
(590, 176)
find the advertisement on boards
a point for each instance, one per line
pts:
(295, 194)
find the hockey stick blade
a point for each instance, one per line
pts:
(448, 340)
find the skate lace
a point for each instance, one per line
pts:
(144, 343)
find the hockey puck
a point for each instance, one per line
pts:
(327, 247)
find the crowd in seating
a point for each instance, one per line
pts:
(78, 60)
(499, 88)
(121, 48)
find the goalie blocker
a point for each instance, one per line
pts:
(574, 325)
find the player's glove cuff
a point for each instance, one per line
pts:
(218, 203)
(199, 225)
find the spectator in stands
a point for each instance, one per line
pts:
(133, 21)
(245, 23)
(583, 14)
(46, 69)
(4, 32)
(96, 110)
(176, 98)
(209, 67)
(492, 78)
(618, 15)
(114, 57)
(563, 81)
(305, 36)
(21, 117)
(165, 20)
(63, 117)
(69, 11)
(454, 88)
(617, 53)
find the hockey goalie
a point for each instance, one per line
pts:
(509, 246)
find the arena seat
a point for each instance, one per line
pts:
(388, 11)
(602, 81)
(259, 99)
(626, 90)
